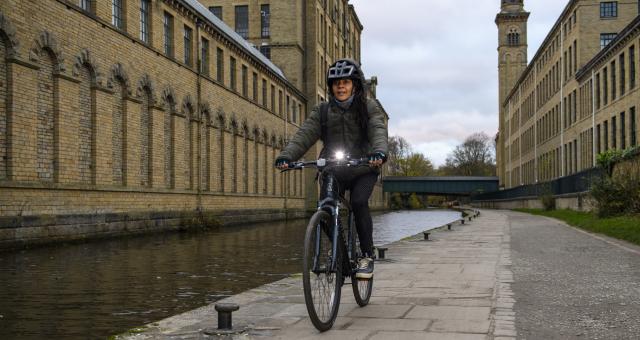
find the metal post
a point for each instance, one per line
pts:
(224, 315)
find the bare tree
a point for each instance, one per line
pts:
(474, 157)
(398, 149)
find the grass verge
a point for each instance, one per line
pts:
(622, 227)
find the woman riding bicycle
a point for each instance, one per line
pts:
(353, 124)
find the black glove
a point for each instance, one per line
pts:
(282, 161)
(376, 156)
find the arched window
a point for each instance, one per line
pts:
(45, 128)
(86, 141)
(206, 166)
(513, 37)
(169, 138)
(145, 137)
(117, 137)
(189, 113)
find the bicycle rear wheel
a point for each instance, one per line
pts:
(322, 286)
(361, 288)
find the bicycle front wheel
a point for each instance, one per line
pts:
(322, 286)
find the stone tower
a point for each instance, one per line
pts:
(512, 61)
(512, 44)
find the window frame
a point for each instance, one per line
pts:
(118, 15)
(167, 34)
(608, 9)
(245, 80)
(215, 10)
(188, 45)
(204, 57)
(233, 83)
(265, 21)
(240, 19)
(606, 39)
(145, 21)
(266, 51)
(219, 65)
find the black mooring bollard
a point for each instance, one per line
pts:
(224, 315)
(381, 251)
(449, 226)
(462, 221)
(426, 235)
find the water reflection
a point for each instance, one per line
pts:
(95, 289)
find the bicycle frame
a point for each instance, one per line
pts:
(332, 204)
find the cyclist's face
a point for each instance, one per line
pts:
(342, 89)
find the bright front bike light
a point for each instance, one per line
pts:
(339, 155)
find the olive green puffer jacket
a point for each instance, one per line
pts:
(343, 134)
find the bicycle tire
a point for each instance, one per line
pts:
(319, 285)
(361, 288)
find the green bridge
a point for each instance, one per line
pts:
(454, 185)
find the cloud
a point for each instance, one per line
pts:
(437, 65)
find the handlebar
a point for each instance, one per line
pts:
(323, 163)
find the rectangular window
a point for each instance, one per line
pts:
(623, 132)
(188, 45)
(145, 20)
(232, 73)
(575, 56)
(287, 108)
(632, 126)
(264, 92)
(614, 135)
(242, 21)
(266, 51)
(216, 10)
(606, 38)
(219, 65)
(117, 14)
(273, 98)
(245, 81)
(598, 144)
(606, 135)
(632, 67)
(265, 14)
(255, 87)
(280, 103)
(86, 5)
(204, 57)
(167, 23)
(609, 9)
(605, 85)
(613, 80)
(300, 112)
(622, 75)
(598, 91)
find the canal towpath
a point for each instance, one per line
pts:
(457, 285)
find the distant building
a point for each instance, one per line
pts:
(577, 97)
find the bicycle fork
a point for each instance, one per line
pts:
(334, 244)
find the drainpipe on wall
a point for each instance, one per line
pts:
(593, 119)
(199, 111)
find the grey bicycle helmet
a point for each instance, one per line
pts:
(345, 69)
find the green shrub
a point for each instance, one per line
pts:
(547, 199)
(414, 202)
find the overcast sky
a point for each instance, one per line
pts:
(437, 65)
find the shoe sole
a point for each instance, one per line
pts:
(364, 276)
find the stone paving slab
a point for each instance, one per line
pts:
(453, 287)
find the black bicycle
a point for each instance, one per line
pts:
(331, 252)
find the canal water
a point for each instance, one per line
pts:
(96, 289)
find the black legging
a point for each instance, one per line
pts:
(360, 182)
